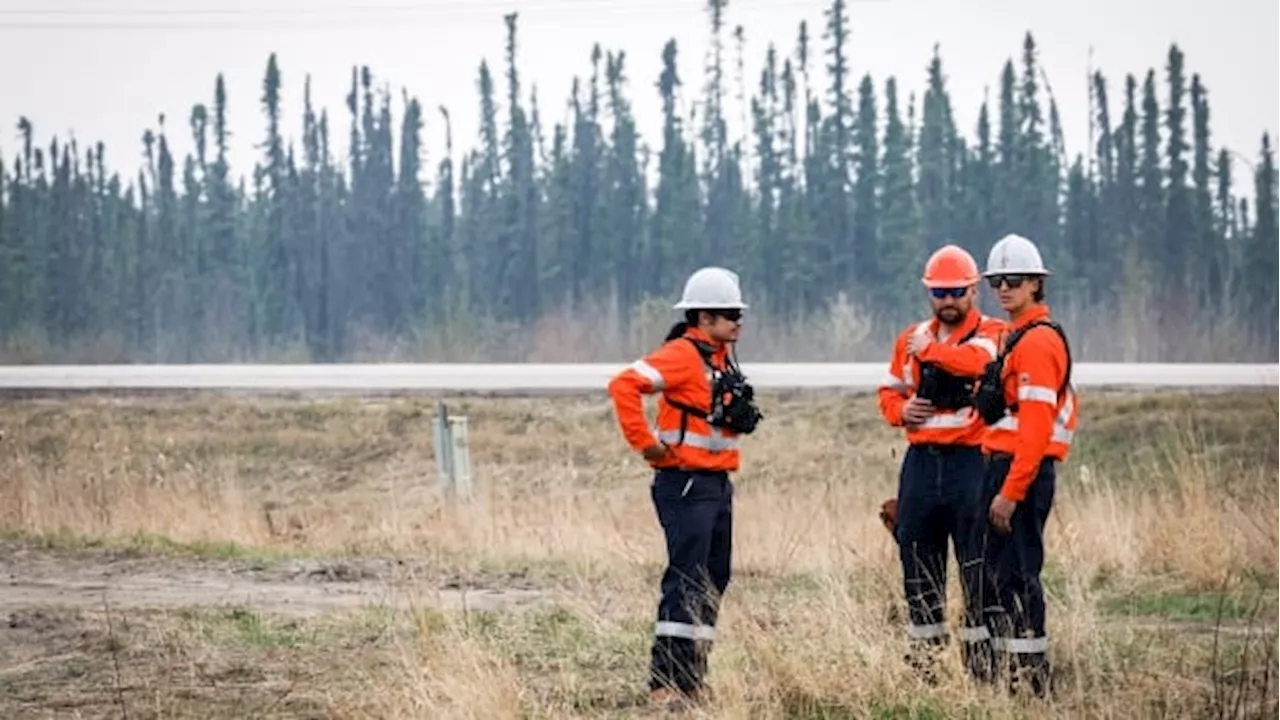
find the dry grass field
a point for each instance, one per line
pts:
(204, 556)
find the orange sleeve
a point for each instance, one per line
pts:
(970, 358)
(663, 368)
(893, 389)
(1039, 371)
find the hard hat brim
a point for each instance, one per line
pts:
(684, 305)
(949, 283)
(1016, 271)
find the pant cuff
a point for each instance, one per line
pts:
(1021, 646)
(685, 631)
(932, 631)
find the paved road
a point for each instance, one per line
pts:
(559, 377)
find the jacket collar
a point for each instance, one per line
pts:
(718, 350)
(1036, 312)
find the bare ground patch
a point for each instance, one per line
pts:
(121, 633)
(32, 577)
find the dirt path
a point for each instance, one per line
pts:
(37, 578)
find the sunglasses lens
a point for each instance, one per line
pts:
(733, 315)
(941, 293)
(1013, 281)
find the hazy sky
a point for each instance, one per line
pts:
(107, 74)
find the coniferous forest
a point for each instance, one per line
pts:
(568, 241)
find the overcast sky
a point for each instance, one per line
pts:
(107, 74)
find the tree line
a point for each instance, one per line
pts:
(832, 200)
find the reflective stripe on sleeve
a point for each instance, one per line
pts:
(1038, 393)
(649, 372)
(975, 634)
(986, 344)
(892, 382)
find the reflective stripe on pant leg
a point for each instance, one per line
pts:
(686, 511)
(1022, 646)
(719, 566)
(1029, 636)
(967, 521)
(922, 545)
(685, 631)
(994, 594)
(720, 555)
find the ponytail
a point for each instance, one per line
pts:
(677, 331)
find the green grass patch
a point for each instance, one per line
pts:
(157, 545)
(1192, 605)
(1138, 435)
(568, 660)
(242, 627)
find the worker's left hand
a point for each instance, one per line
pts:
(918, 342)
(656, 452)
(889, 514)
(1000, 513)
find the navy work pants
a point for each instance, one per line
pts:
(1014, 601)
(940, 496)
(695, 510)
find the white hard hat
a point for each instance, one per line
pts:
(1014, 255)
(711, 288)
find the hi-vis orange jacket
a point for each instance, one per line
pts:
(677, 371)
(1044, 421)
(968, 359)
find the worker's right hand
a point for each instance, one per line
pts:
(916, 411)
(655, 452)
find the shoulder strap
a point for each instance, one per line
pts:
(704, 350)
(1012, 339)
(1016, 335)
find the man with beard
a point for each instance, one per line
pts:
(928, 392)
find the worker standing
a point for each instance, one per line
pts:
(928, 391)
(1026, 398)
(705, 406)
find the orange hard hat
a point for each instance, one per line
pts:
(950, 266)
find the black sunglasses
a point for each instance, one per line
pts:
(1013, 281)
(956, 292)
(730, 314)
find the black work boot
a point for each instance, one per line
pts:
(1031, 672)
(924, 657)
(980, 660)
(674, 665)
(701, 658)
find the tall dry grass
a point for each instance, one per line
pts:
(1165, 496)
